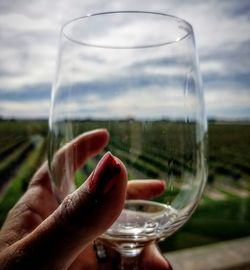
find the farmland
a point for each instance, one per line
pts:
(224, 212)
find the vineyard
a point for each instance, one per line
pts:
(224, 212)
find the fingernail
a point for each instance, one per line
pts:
(103, 177)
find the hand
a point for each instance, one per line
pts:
(41, 234)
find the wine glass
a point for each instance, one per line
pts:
(137, 75)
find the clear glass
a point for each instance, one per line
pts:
(137, 75)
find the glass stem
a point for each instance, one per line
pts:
(129, 262)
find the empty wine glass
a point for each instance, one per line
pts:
(137, 75)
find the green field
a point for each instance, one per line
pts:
(224, 212)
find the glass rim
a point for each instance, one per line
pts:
(188, 29)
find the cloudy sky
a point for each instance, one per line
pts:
(29, 32)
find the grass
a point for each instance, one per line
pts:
(9, 147)
(18, 184)
(15, 157)
(229, 163)
(213, 222)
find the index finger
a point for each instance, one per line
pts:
(78, 150)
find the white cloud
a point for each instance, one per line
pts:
(228, 103)
(27, 66)
(29, 34)
(19, 22)
(147, 103)
(213, 66)
(25, 109)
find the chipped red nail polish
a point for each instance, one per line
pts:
(102, 178)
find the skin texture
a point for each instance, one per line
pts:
(41, 234)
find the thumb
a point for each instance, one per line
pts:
(82, 216)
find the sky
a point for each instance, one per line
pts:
(29, 33)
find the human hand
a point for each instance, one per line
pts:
(41, 234)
